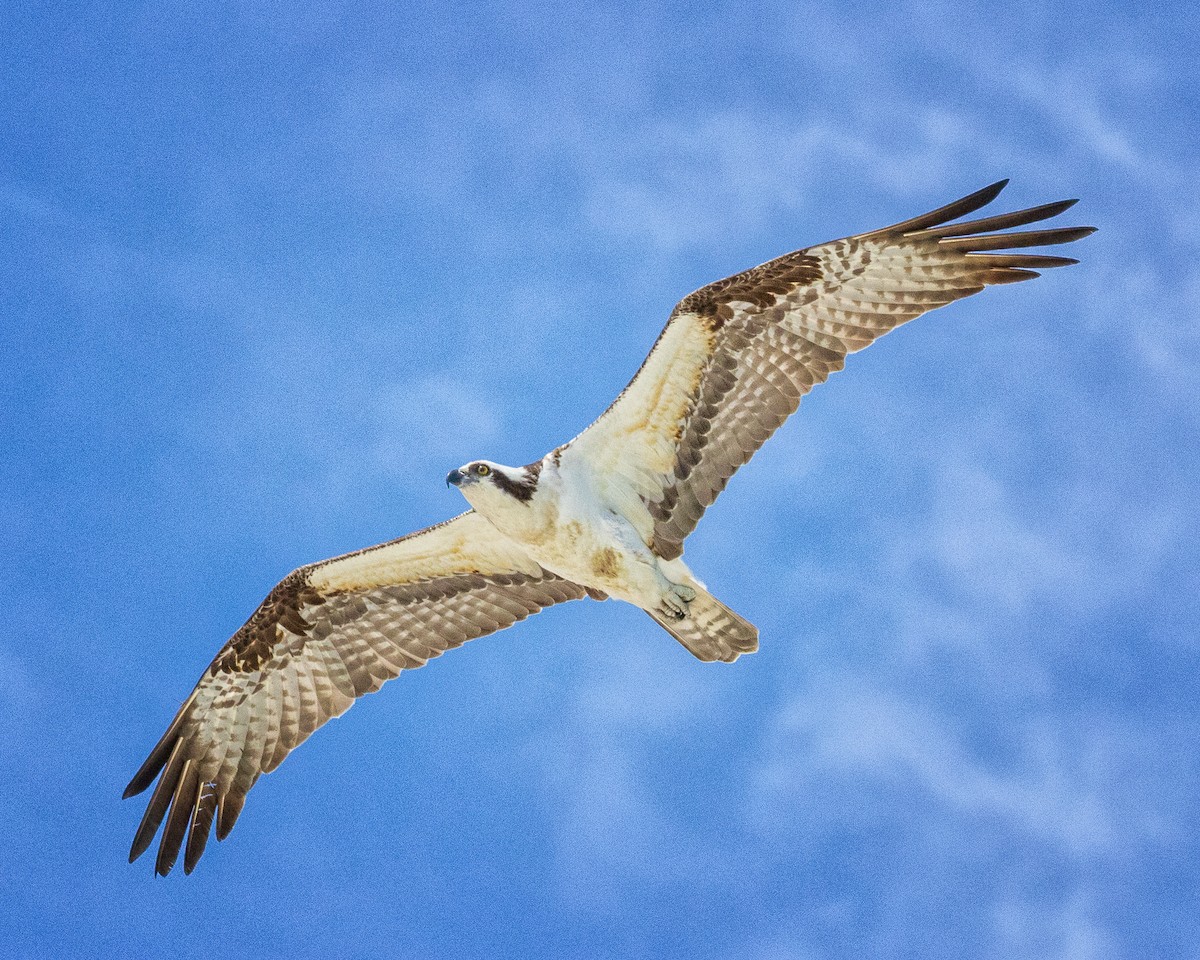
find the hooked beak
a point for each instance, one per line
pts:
(454, 477)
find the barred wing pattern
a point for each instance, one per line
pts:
(325, 635)
(737, 355)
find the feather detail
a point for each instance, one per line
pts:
(327, 634)
(737, 355)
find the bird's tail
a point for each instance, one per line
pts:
(711, 631)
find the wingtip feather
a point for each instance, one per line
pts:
(154, 763)
(951, 211)
(992, 190)
(229, 808)
(201, 822)
(159, 803)
(182, 804)
(1016, 239)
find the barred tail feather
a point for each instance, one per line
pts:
(711, 631)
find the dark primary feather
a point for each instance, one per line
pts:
(785, 326)
(775, 331)
(301, 659)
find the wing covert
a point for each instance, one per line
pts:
(326, 635)
(737, 356)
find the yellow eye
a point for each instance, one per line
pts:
(482, 469)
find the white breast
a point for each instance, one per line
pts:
(580, 528)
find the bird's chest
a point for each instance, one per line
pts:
(572, 533)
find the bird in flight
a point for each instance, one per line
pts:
(605, 515)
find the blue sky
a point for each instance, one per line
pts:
(270, 270)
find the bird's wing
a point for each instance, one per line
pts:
(737, 355)
(326, 634)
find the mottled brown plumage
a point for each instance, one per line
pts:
(732, 364)
(254, 643)
(304, 657)
(781, 328)
(760, 286)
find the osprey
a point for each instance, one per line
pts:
(605, 515)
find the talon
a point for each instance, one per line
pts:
(674, 598)
(674, 602)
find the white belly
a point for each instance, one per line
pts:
(571, 531)
(597, 552)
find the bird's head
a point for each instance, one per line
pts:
(485, 483)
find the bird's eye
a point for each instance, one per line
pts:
(482, 469)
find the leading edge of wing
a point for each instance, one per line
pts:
(324, 636)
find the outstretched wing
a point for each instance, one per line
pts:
(737, 355)
(326, 634)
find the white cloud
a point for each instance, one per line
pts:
(1071, 96)
(679, 184)
(21, 700)
(1066, 930)
(780, 946)
(1149, 308)
(20, 200)
(427, 422)
(856, 731)
(614, 831)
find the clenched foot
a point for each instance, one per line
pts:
(675, 601)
